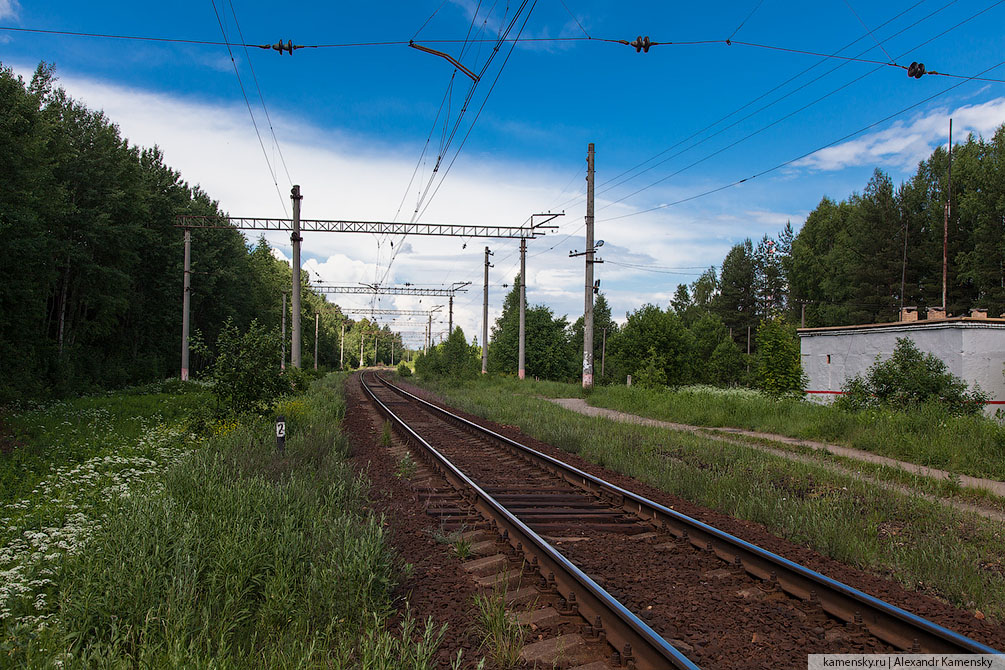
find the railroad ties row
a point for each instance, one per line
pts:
(663, 590)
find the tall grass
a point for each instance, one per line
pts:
(240, 558)
(920, 543)
(927, 435)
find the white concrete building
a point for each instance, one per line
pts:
(973, 348)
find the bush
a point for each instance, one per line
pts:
(246, 375)
(777, 369)
(652, 372)
(404, 370)
(455, 358)
(908, 379)
(726, 366)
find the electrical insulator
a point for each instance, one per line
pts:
(641, 44)
(916, 70)
(280, 47)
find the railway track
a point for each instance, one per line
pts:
(634, 569)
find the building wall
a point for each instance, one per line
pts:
(971, 350)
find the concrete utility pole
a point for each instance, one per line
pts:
(588, 315)
(341, 349)
(429, 330)
(450, 319)
(522, 358)
(296, 239)
(485, 316)
(945, 224)
(185, 304)
(317, 320)
(362, 338)
(282, 335)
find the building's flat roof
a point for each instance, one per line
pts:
(922, 323)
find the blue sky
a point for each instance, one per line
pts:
(352, 122)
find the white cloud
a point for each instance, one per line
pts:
(904, 144)
(344, 176)
(9, 9)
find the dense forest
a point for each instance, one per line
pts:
(91, 261)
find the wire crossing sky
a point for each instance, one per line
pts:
(727, 123)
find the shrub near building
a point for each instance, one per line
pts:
(910, 378)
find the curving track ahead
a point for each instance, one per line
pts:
(537, 502)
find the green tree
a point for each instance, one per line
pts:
(736, 302)
(602, 322)
(776, 363)
(654, 337)
(245, 374)
(548, 351)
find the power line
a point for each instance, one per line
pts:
(608, 185)
(575, 19)
(756, 7)
(260, 96)
(240, 83)
(808, 153)
(502, 39)
(878, 43)
(787, 116)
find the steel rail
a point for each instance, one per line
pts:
(887, 622)
(627, 632)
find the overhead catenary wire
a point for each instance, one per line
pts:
(808, 153)
(626, 176)
(484, 69)
(261, 97)
(386, 43)
(790, 114)
(756, 7)
(878, 43)
(272, 173)
(569, 11)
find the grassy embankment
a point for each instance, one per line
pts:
(924, 545)
(126, 541)
(927, 436)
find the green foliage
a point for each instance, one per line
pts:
(908, 379)
(652, 372)
(501, 634)
(727, 365)
(776, 363)
(232, 557)
(403, 370)
(654, 345)
(455, 358)
(548, 352)
(92, 261)
(245, 374)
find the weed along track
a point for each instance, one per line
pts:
(642, 585)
